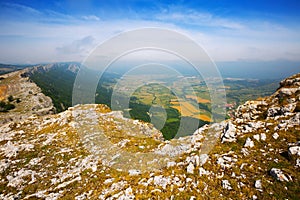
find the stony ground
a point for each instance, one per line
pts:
(27, 97)
(89, 152)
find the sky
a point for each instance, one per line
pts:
(256, 31)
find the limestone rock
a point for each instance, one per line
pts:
(229, 133)
(226, 185)
(278, 175)
(203, 159)
(190, 168)
(295, 150)
(275, 136)
(249, 143)
(134, 172)
(258, 185)
(263, 136)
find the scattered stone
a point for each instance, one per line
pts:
(16, 179)
(249, 143)
(161, 181)
(4, 164)
(190, 168)
(275, 136)
(193, 159)
(258, 185)
(245, 151)
(294, 150)
(171, 164)
(298, 162)
(226, 161)
(11, 149)
(256, 137)
(203, 159)
(202, 171)
(226, 185)
(278, 175)
(134, 172)
(128, 194)
(263, 136)
(108, 181)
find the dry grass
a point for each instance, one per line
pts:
(3, 92)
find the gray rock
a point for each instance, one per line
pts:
(274, 111)
(190, 168)
(278, 175)
(288, 91)
(203, 159)
(263, 136)
(258, 185)
(229, 133)
(294, 150)
(171, 150)
(249, 143)
(202, 171)
(226, 161)
(226, 185)
(171, 164)
(295, 120)
(134, 172)
(161, 181)
(275, 136)
(256, 137)
(298, 162)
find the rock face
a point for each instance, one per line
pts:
(90, 152)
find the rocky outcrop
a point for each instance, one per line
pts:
(72, 67)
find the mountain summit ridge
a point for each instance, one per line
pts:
(255, 155)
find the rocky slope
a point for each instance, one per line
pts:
(89, 152)
(26, 96)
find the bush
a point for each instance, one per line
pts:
(10, 98)
(4, 107)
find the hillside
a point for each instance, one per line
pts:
(25, 97)
(90, 152)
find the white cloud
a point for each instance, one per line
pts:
(191, 17)
(91, 17)
(21, 8)
(80, 46)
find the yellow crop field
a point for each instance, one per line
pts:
(198, 99)
(203, 117)
(188, 110)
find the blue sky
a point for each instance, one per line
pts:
(231, 31)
